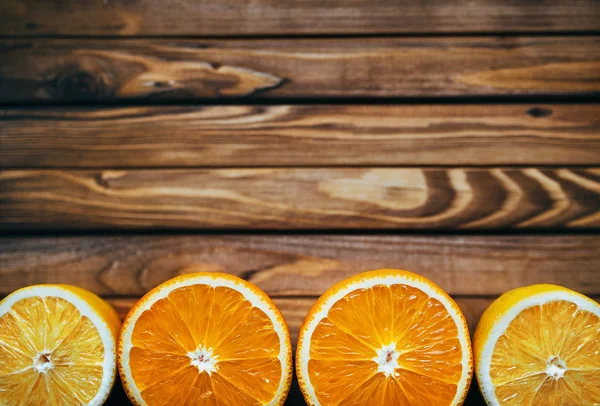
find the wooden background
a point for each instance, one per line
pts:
(297, 143)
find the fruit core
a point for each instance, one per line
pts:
(387, 359)
(556, 368)
(203, 359)
(42, 362)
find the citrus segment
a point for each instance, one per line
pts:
(205, 339)
(384, 337)
(539, 345)
(57, 346)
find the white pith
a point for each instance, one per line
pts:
(502, 324)
(108, 342)
(556, 368)
(40, 365)
(213, 281)
(387, 359)
(389, 280)
(203, 359)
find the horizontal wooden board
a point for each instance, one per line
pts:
(310, 198)
(159, 69)
(293, 135)
(301, 265)
(276, 17)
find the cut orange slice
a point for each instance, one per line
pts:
(205, 339)
(539, 345)
(384, 337)
(57, 347)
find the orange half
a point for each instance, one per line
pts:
(384, 337)
(205, 339)
(57, 347)
(539, 345)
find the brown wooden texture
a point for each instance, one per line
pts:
(273, 17)
(73, 69)
(301, 265)
(296, 135)
(309, 198)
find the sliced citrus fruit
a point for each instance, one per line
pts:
(205, 339)
(539, 345)
(57, 347)
(384, 337)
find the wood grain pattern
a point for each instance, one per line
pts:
(293, 135)
(102, 70)
(310, 198)
(306, 265)
(267, 17)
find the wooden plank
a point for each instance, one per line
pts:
(284, 264)
(103, 70)
(295, 309)
(293, 135)
(310, 198)
(276, 17)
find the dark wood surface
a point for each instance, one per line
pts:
(280, 17)
(359, 121)
(301, 265)
(301, 135)
(308, 198)
(178, 69)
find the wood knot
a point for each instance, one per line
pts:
(32, 26)
(77, 84)
(538, 112)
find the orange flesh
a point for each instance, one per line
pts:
(48, 332)
(242, 341)
(556, 333)
(343, 348)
